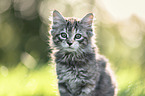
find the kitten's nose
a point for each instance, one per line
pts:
(69, 42)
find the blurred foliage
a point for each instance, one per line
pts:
(23, 82)
(25, 51)
(21, 30)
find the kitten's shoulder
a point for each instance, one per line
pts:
(102, 62)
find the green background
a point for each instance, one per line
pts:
(25, 64)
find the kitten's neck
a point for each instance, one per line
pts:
(75, 58)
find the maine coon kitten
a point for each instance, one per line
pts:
(80, 70)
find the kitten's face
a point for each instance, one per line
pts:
(71, 35)
(71, 40)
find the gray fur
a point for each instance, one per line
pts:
(81, 71)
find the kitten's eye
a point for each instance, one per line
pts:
(78, 36)
(63, 35)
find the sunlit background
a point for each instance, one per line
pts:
(25, 63)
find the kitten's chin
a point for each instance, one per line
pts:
(69, 49)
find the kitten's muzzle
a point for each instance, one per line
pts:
(69, 42)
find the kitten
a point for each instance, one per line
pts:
(81, 71)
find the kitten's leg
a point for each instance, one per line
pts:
(63, 90)
(106, 85)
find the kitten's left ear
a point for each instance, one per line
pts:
(88, 19)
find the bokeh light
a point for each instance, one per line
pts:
(25, 61)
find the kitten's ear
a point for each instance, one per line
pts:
(57, 18)
(88, 19)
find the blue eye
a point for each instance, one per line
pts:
(63, 35)
(78, 36)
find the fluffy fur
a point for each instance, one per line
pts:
(80, 69)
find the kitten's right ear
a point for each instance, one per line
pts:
(88, 19)
(57, 18)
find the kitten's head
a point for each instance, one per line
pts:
(71, 35)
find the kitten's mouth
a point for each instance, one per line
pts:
(70, 49)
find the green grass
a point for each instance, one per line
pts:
(22, 81)
(130, 82)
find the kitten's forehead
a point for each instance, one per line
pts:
(71, 24)
(72, 20)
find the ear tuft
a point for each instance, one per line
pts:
(88, 19)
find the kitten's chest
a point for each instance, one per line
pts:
(73, 77)
(66, 73)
